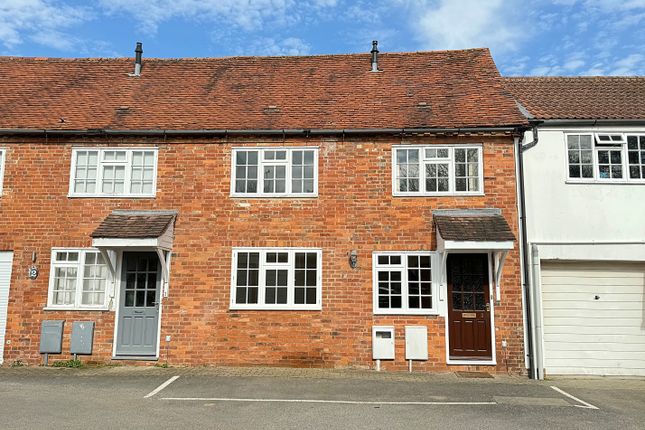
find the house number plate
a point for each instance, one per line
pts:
(469, 315)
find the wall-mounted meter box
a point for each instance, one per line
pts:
(82, 337)
(51, 336)
(416, 342)
(383, 343)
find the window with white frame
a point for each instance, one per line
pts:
(2, 157)
(606, 157)
(437, 170)
(78, 279)
(275, 172)
(276, 278)
(403, 283)
(113, 172)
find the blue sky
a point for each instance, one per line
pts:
(526, 37)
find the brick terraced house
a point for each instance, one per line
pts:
(286, 211)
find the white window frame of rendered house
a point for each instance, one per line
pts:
(290, 305)
(621, 145)
(78, 294)
(288, 172)
(3, 156)
(451, 170)
(127, 186)
(435, 262)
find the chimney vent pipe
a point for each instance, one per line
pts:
(374, 56)
(138, 51)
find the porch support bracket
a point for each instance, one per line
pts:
(500, 258)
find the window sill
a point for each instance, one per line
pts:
(474, 362)
(67, 309)
(109, 196)
(277, 308)
(439, 195)
(605, 182)
(430, 312)
(277, 196)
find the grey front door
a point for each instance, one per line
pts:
(139, 304)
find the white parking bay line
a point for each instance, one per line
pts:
(582, 404)
(339, 402)
(161, 387)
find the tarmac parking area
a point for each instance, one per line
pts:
(270, 398)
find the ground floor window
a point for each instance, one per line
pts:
(276, 278)
(78, 279)
(403, 283)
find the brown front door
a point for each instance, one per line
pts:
(469, 307)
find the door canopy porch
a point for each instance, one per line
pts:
(474, 230)
(136, 231)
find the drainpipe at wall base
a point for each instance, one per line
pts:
(526, 272)
(538, 358)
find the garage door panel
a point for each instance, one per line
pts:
(594, 271)
(592, 339)
(575, 322)
(583, 335)
(591, 305)
(599, 313)
(599, 348)
(593, 331)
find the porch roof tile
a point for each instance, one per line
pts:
(474, 228)
(133, 226)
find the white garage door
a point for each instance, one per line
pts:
(5, 276)
(594, 318)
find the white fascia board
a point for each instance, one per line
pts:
(453, 245)
(106, 242)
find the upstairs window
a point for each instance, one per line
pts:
(276, 278)
(2, 157)
(437, 170)
(606, 157)
(113, 172)
(275, 172)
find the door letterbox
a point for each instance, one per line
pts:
(383, 343)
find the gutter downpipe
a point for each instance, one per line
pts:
(526, 266)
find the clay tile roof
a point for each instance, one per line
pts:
(122, 226)
(613, 98)
(448, 89)
(477, 228)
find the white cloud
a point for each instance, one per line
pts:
(249, 15)
(573, 64)
(273, 47)
(629, 65)
(36, 19)
(455, 24)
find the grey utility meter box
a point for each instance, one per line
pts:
(383, 343)
(51, 337)
(82, 337)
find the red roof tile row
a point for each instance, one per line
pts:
(413, 90)
(613, 98)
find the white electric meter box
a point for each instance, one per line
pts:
(416, 342)
(383, 343)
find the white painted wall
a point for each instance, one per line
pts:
(575, 213)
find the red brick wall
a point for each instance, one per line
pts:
(354, 210)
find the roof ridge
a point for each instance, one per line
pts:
(257, 57)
